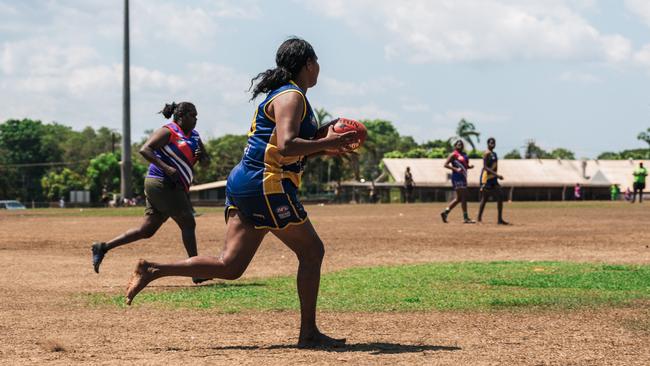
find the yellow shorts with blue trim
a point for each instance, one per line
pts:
(271, 211)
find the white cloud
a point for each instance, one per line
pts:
(442, 125)
(642, 57)
(185, 26)
(365, 111)
(415, 107)
(580, 77)
(476, 117)
(617, 49)
(7, 9)
(7, 59)
(640, 8)
(54, 68)
(378, 85)
(421, 31)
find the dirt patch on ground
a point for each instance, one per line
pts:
(45, 271)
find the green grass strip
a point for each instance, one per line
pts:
(439, 286)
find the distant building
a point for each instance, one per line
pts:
(208, 194)
(525, 179)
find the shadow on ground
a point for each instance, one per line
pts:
(375, 348)
(217, 285)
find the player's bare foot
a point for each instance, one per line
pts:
(140, 278)
(320, 340)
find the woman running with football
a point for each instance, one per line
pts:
(458, 163)
(262, 189)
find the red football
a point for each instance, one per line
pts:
(344, 125)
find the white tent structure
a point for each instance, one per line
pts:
(523, 172)
(525, 179)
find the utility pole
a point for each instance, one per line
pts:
(125, 185)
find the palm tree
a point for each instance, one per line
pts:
(321, 115)
(645, 136)
(466, 131)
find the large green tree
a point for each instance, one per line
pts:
(626, 154)
(533, 151)
(382, 138)
(514, 154)
(56, 185)
(7, 177)
(27, 148)
(225, 152)
(562, 153)
(104, 171)
(81, 146)
(445, 145)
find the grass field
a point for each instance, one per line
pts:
(440, 286)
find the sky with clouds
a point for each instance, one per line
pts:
(567, 73)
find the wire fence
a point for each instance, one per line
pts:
(57, 204)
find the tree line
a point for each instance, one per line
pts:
(43, 162)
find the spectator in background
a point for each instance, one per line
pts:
(372, 194)
(639, 182)
(408, 185)
(105, 198)
(337, 192)
(628, 194)
(62, 203)
(577, 192)
(615, 191)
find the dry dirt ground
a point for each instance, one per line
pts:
(45, 272)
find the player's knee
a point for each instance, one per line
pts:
(315, 254)
(187, 222)
(233, 269)
(147, 232)
(233, 273)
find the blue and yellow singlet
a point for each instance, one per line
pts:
(491, 161)
(263, 169)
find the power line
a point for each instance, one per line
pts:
(57, 163)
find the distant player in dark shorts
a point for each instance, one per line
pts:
(640, 174)
(458, 163)
(490, 182)
(172, 150)
(261, 193)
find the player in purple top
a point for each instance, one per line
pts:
(172, 150)
(458, 163)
